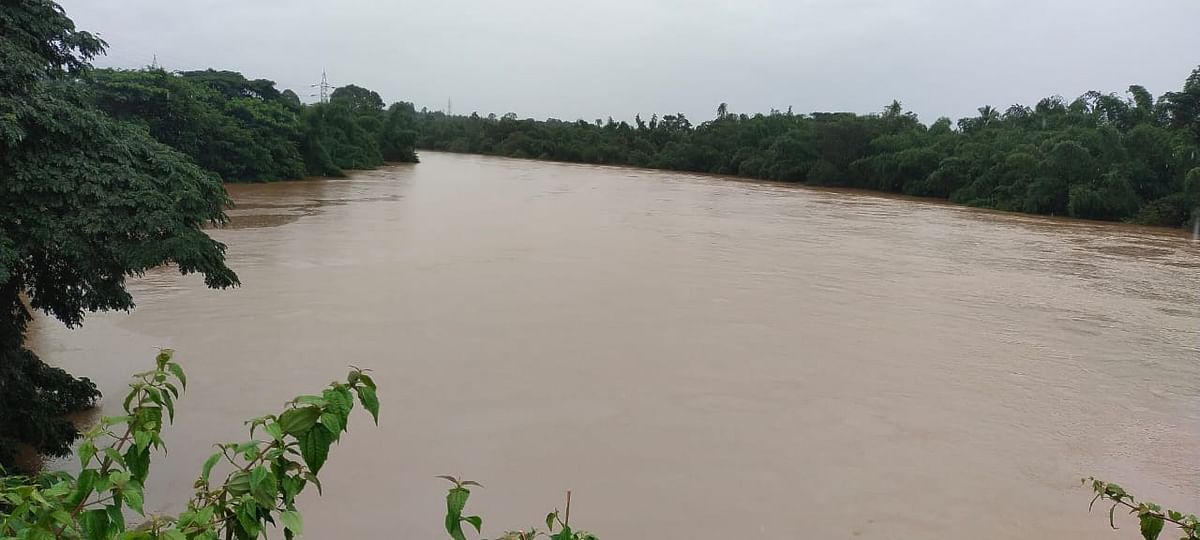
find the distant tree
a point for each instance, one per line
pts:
(232, 84)
(290, 99)
(1100, 156)
(398, 136)
(357, 98)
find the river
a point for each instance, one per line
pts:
(692, 356)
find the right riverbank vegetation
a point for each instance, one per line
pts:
(107, 174)
(1100, 156)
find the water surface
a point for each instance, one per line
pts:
(695, 357)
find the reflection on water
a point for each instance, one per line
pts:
(695, 357)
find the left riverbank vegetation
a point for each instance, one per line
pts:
(105, 174)
(248, 130)
(86, 200)
(1100, 156)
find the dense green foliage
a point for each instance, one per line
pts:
(105, 174)
(262, 476)
(85, 201)
(248, 131)
(1100, 156)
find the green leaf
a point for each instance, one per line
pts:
(141, 439)
(313, 478)
(94, 524)
(247, 516)
(370, 402)
(314, 447)
(178, 372)
(154, 395)
(164, 357)
(172, 534)
(550, 519)
(62, 517)
(476, 521)
(257, 477)
(333, 421)
(238, 484)
(291, 487)
(133, 495)
(292, 521)
(299, 421)
(129, 400)
(338, 400)
(208, 466)
(564, 534)
(454, 528)
(116, 518)
(138, 462)
(119, 478)
(1151, 526)
(310, 400)
(87, 451)
(114, 455)
(83, 486)
(456, 500)
(205, 515)
(170, 404)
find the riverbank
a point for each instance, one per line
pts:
(1189, 230)
(1098, 157)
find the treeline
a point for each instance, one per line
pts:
(1100, 156)
(250, 131)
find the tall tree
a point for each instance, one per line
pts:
(357, 98)
(85, 202)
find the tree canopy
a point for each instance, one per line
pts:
(248, 131)
(85, 202)
(1100, 156)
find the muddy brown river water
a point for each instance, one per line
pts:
(693, 356)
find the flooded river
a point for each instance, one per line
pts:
(692, 356)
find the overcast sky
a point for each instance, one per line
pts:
(591, 59)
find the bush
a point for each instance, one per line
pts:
(262, 476)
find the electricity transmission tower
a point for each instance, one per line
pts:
(324, 86)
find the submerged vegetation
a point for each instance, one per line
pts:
(1100, 156)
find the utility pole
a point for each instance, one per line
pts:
(449, 107)
(324, 87)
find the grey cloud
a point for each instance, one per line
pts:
(571, 59)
